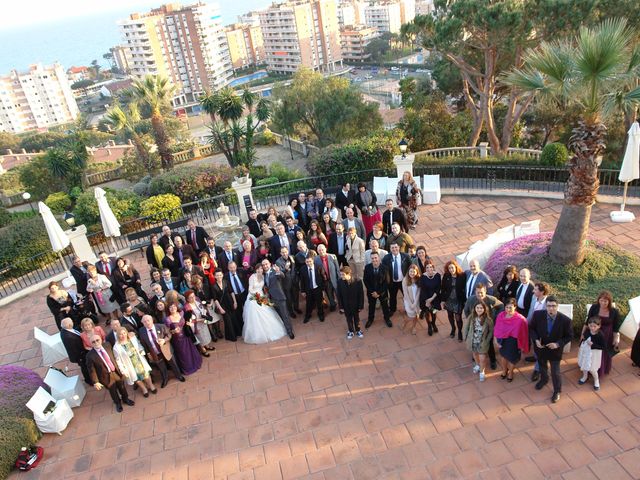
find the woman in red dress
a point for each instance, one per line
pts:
(208, 266)
(316, 236)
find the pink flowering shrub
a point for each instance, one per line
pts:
(17, 386)
(521, 252)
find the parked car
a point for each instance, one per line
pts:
(394, 69)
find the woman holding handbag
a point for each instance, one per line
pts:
(198, 318)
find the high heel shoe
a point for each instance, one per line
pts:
(429, 329)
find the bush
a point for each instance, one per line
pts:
(554, 155)
(10, 183)
(606, 267)
(37, 179)
(15, 433)
(374, 152)
(58, 202)
(283, 173)
(266, 137)
(124, 203)
(161, 207)
(23, 239)
(5, 217)
(267, 181)
(141, 189)
(188, 182)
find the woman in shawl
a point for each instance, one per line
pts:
(367, 203)
(511, 335)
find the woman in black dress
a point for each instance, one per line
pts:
(225, 302)
(60, 304)
(610, 322)
(126, 276)
(171, 262)
(452, 296)
(377, 233)
(430, 283)
(508, 286)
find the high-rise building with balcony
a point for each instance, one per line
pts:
(187, 44)
(36, 99)
(246, 46)
(407, 11)
(121, 58)
(353, 41)
(301, 33)
(383, 16)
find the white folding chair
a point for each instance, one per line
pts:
(505, 234)
(477, 252)
(462, 260)
(392, 186)
(629, 327)
(380, 189)
(566, 309)
(69, 388)
(53, 350)
(58, 415)
(431, 190)
(527, 228)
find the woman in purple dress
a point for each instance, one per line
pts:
(610, 322)
(187, 355)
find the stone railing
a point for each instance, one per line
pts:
(482, 151)
(296, 145)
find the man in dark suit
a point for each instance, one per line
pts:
(168, 282)
(253, 223)
(338, 244)
(75, 349)
(328, 264)
(105, 374)
(156, 294)
(272, 278)
(312, 288)
(524, 293)
(155, 340)
(474, 276)
(393, 214)
(192, 269)
(106, 265)
(227, 256)
(239, 286)
(111, 337)
(290, 283)
(291, 227)
(167, 237)
(281, 239)
(196, 236)
(346, 198)
(79, 272)
(182, 251)
(550, 331)
(320, 203)
(397, 263)
(129, 318)
(377, 283)
(212, 249)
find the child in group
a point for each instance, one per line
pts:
(351, 300)
(478, 336)
(590, 353)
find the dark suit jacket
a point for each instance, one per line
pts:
(376, 283)
(560, 333)
(482, 278)
(162, 331)
(333, 243)
(73, 345)
(164, 240)
(98, 370)
(223, 261)
(80, 277)
(274, 244)
(111, 338)
(254, 227)
(201, 238)
(112, 267)
(528, 298)
(405, 263)
(350, 296)
(243, 280)
(343, 201)
(398, 217)
(128, 325)
(273, 283)
(195, 270)
(305, 281)
(164, 286)
(187, 252)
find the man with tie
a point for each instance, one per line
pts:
(550, 331)
(290, 283)
(75, 349)
(212, 249)
(79, 272)
(182, 251)
(196, 236)
(538, 303)
(281, 239)
(338, 244)
(240, 288)
(524, 293)
(376, 280)
(474, 276)
(192, 269)
(328, 263)
(226, 256)
(393, 214)
(167, 237)
(168, 282)
(112, 336)
(105, 374)
(312, 286)
(155, 340)
(397, 263)
(272, 278)
(253, 223)
(129, 319)
(106, 265)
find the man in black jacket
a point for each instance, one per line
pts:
(377, 283)
(75, 349)
(338, 244)
(312, 287)
(79, 273)
(155, 340)
(393, 215)
(253, 223)
(397, 264)
(524, 293)
(196, 236)
(345, 198)
(105, 374)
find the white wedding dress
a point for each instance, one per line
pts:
(262, 323)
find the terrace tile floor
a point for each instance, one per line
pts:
(391, 405)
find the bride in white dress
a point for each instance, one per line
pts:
(261, 322)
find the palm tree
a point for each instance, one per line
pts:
(126, 121)
(155, 92)
(592, 72)
(228, 133)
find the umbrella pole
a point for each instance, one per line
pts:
(624, 196)
(64, 265)
(115, 249)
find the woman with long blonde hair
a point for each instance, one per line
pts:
(407, 197)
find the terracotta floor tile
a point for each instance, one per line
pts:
(576, 454)
(320, 459)
(609, 468)
(601, 445)
(294, 467)
(630, 461)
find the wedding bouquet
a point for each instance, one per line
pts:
(261, 299)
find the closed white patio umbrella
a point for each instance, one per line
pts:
(629, 171)
(59, 240)
(110, 224)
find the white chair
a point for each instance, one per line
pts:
(53, 350)
(392, 186)
(380, 189)
(69, 388)
(475, 252)
(431, 190)
(629, 327)
(505, 234)
(56, 419)
(527, 228)
(566, 309)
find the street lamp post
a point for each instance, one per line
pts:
(403, 147)
(70, 220)
(26, 196)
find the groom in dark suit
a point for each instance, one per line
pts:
(272, 278)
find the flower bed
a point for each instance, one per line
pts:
(606, 267)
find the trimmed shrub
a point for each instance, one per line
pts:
(5, 217)
(188, 182)
(124, 203)
(606, 267)
(161, 207)
(15, 433)
(283, 173)
(58, 202)
(141, 189)
(267, 181)
(23, 239)
(266, 137)
(554, 155)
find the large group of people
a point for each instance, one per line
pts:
(323, 255)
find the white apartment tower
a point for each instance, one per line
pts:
(407, 11)
(346, 14)
(384, 16)
(185, 43)
(36, 99)
(301, 33)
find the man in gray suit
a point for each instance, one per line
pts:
(272, 278)
(287, 265)
(328, 264)
(352, 221)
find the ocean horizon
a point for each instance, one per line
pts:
(80, 40)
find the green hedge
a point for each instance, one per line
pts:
(15, 433)
(23, 239)
(124, 204)
(58, 202)
(554, 155)
(188, 182)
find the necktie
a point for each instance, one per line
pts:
(311, 279)
(472, 280)
(519, 291)
(236, 284)
(229, 256)
(180, 257)
(106, 268)
(106, 360)
(396, 269)
(154, 340)
(193, 239)
(549, 325)
(375, 271)
(130, 320)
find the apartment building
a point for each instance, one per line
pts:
(246, 45)
(424, 7)
(407, 11)
(301, 33)
(187, 44)
(384, 16)
(346, 14)
(353, 41)
(121, 58)
(36, 99)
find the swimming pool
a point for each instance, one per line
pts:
(247, 78)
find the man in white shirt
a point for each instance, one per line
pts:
(524, 293)
(538, 303)
(475, 276)
(375, 248)
(354, 222)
